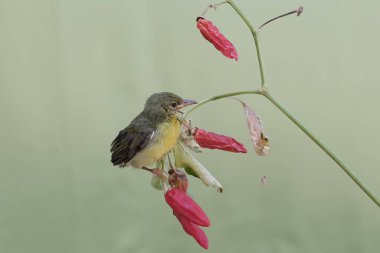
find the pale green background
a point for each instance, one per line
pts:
(75, 72)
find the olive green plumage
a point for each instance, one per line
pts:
(151, 134)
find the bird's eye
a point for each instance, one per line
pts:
(174, 105)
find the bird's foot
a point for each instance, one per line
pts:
(158, 172)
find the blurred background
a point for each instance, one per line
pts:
(75, 72)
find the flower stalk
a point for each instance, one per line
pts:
(263, 90)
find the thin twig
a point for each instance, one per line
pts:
(298, 11)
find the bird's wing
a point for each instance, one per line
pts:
(129, 142)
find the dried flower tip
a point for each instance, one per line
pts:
(193, 230)
(211, 33)
(217, 141)
(184, 205)
(299, 11)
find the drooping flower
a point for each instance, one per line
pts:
(211, 33)
(185, 206)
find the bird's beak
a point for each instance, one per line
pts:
(185, 103)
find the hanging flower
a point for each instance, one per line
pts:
(211, 33)
(185, 206)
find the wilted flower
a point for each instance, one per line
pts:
(178, 180)
(256, 131)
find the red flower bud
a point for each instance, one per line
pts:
(184, 205)
(211, 33)
(216, 141)
(193, 230)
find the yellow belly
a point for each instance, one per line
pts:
(163, 141)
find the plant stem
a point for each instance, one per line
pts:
(255, 38)
(212, 6)
(231, 94)
(263, 91)
(321, 145)
(288, 114)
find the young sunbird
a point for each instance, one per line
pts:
(152, 134)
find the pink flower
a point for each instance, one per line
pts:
(211, 33)
(183, 205)
(216, 141)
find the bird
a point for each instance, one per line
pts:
(152, 133)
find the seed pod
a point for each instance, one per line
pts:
(184, 205)
(216, 141)
(193, 230)
(211, 33)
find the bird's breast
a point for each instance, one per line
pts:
(163, 140)
(167, 134)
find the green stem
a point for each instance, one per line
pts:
(231, 94)
(321, 145)
(263, 91)
(255, 38)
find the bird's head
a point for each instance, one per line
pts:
(167, 102)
